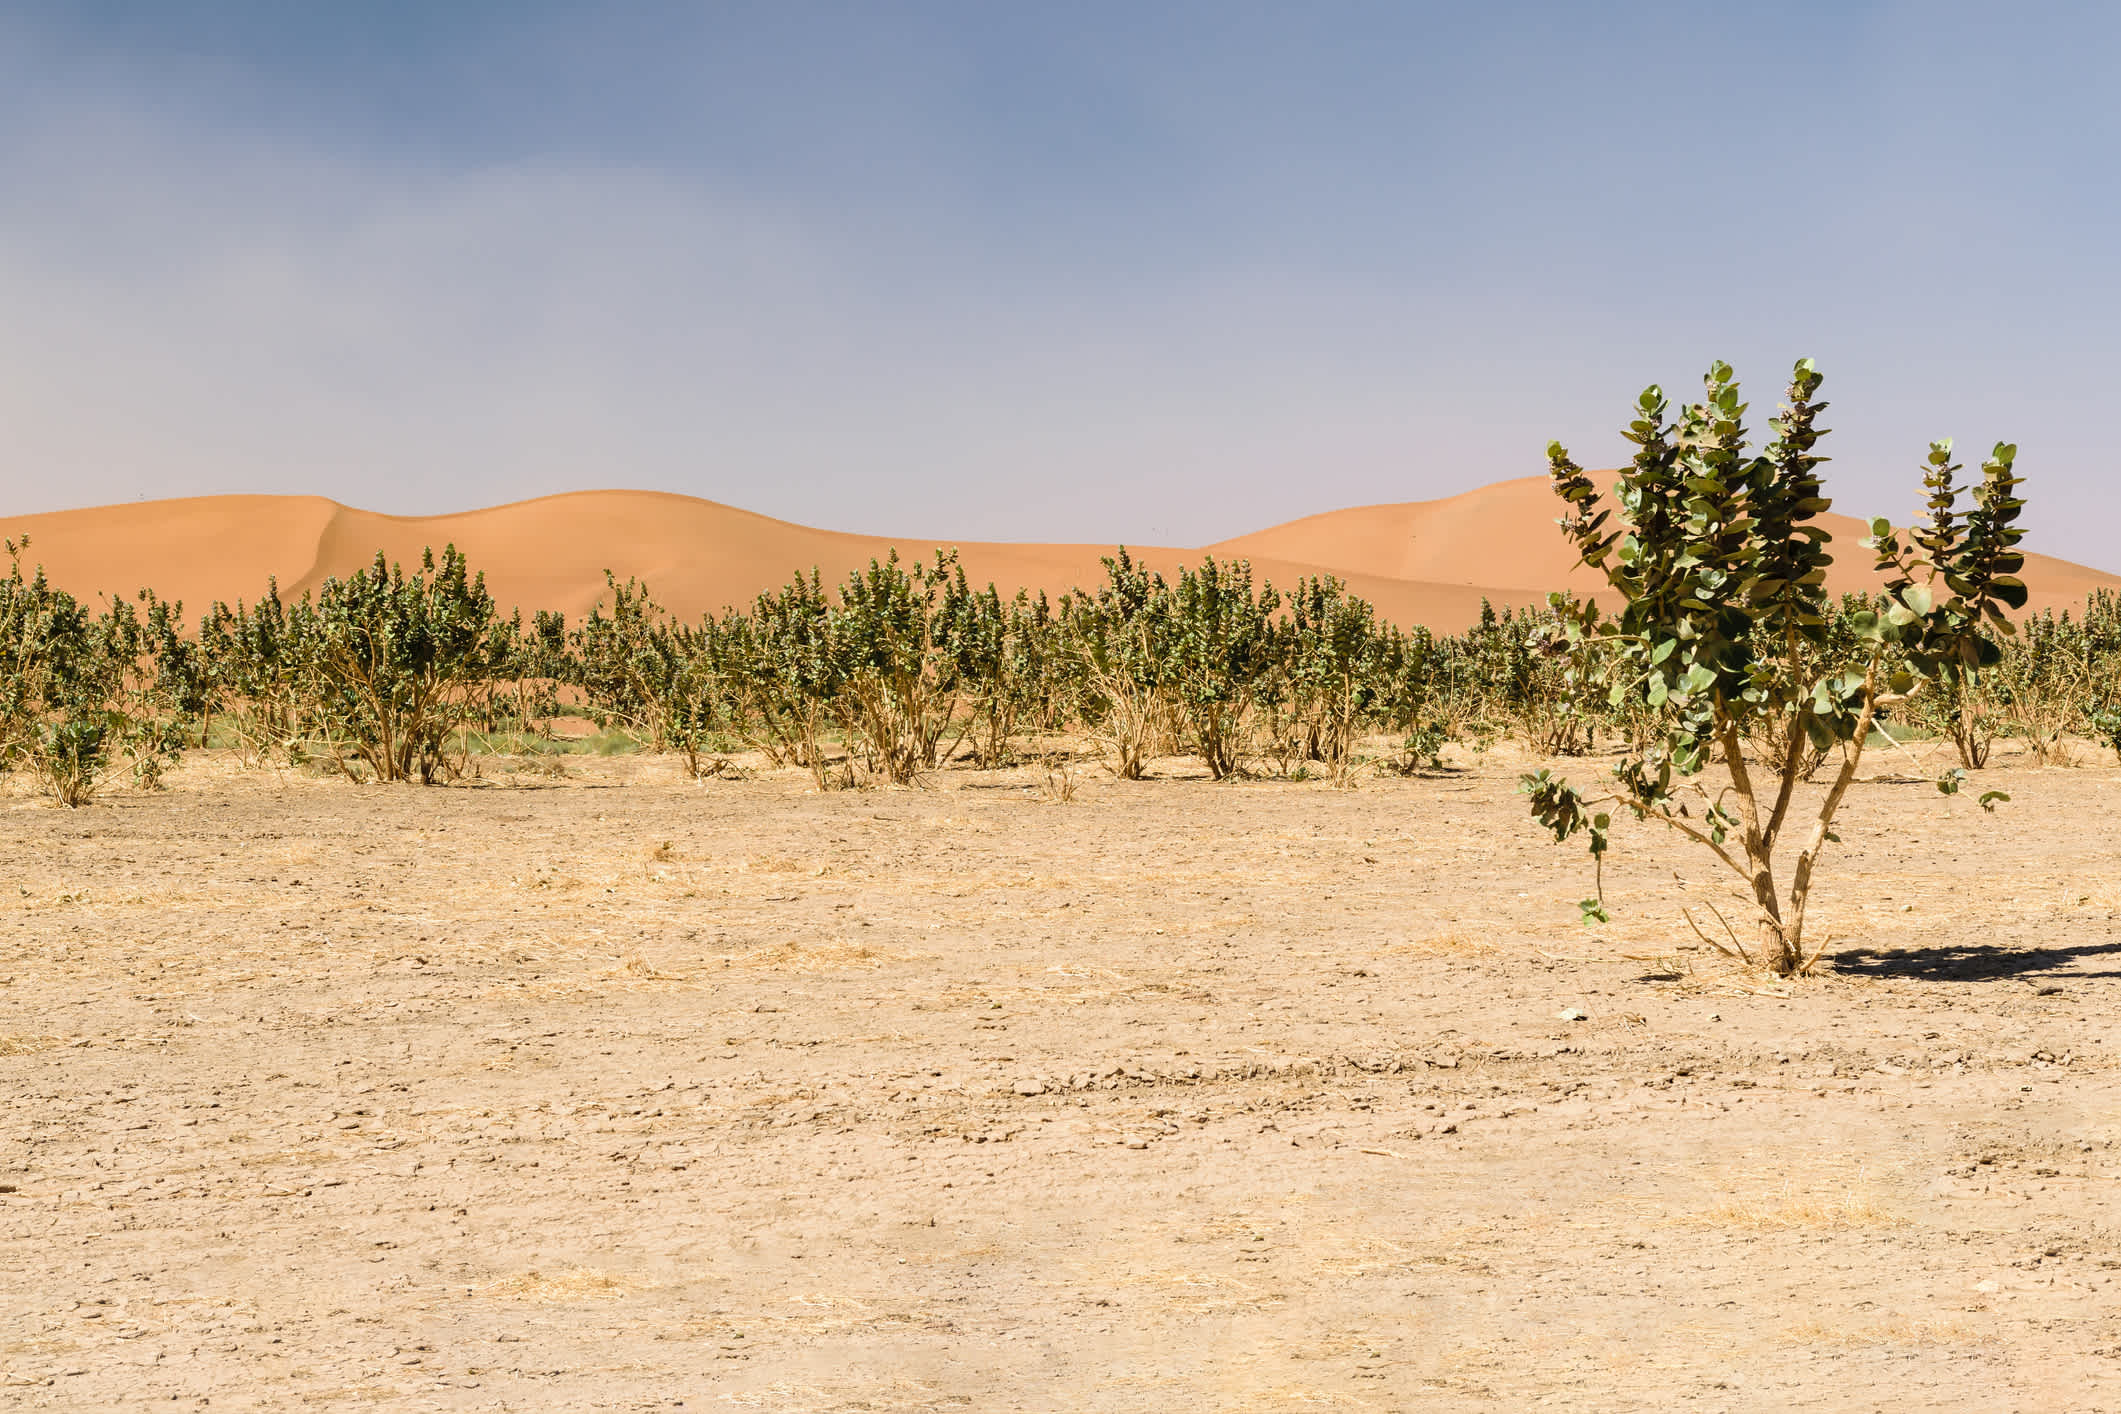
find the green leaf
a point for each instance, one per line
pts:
(1990, 797)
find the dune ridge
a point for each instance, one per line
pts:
(1430, 562)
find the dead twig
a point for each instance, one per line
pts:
(1738, 955)
(1804, 969)
(1748, 989)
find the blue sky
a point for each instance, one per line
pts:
(1086, 271)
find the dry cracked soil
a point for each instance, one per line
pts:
(608, 1090)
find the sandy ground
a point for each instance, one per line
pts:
(611, 1091)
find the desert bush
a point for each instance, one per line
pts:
(2105, 725)
(182, 670)
(388, 669)
(1221, 643)
(1407, 696)
(252, 682)
(1803, 662)
(1329, 668)
(1012, 665)
(73, 690)
(165, 687)
(398, 677)
(2044, 683)
(1963, 710)
(1721, 575)
(788, 668)
(637, 672)
(1121, 634)
(897, 631)
(1528, 684)
(2101, 630)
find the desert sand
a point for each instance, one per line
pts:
(605, 1090)
(580, 1085)
(1426, 562)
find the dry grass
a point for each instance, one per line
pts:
(779, 1395)
(561, 1288)
(1376, 1254)
(899, 1396)
(1898, 1331)
(1452, 942)
(815, 1314)
(775, 864)
(27, 1045)
(1058, 786)
(1787, 1211)
(834, 956)
(1199, 1293)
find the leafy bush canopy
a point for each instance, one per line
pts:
(1725, 628)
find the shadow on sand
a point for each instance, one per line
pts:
(1972, 962)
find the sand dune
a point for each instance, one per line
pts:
(1504, 535)
(1421, 561)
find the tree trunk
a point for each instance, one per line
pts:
(1776, 946)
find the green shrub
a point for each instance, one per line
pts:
(897, 633)
(788, 668)
(1010, 660)
(1121, 634)
(1721, 575)
(662, 683)
(72, 688)
(1220, 644)
(387, 669)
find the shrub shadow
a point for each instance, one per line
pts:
(1975, 962)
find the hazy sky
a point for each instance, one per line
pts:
(1066, 271)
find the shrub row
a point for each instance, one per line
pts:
(403, 676)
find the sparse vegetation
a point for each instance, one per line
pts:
(588, 991)
(73, 689)
(1721, 575)
(907, 667)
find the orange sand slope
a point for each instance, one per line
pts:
(1420, 562)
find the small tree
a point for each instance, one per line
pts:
(1221, 645)
(660, 681)
(1007, 655)
(252, 679)
(897, 629)
(1721, 578)
(76, 687)
(390, 667)
(789, 666)
(1328, 665)
(1122, 635)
